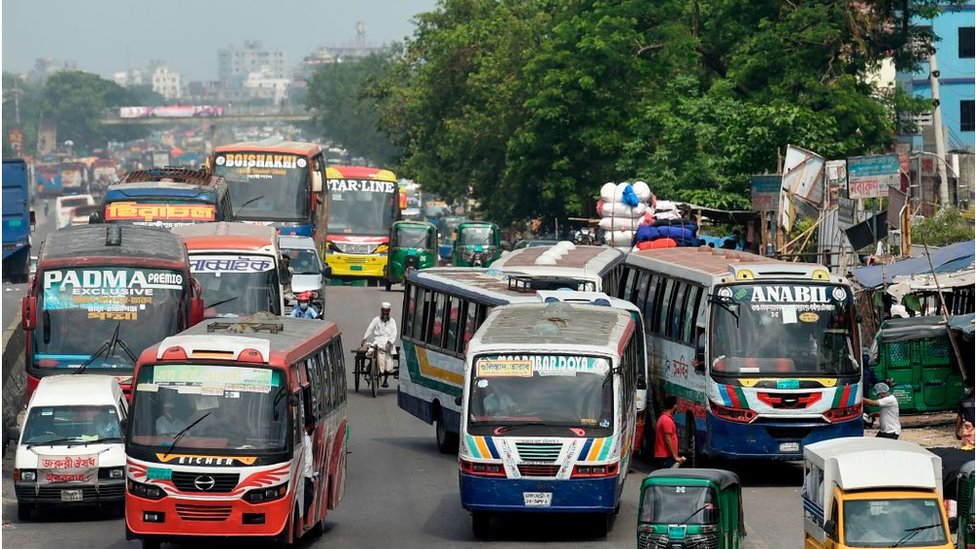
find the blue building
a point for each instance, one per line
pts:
(956, 60)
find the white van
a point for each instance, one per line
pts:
(65, 206)
(71, 448)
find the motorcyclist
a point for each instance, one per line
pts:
(304, 309)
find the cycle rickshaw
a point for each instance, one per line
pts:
(366, 368)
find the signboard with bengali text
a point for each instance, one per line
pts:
(870, 176)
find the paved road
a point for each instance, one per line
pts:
(402, 493)
(13, 292)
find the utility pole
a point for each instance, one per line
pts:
(939, 134)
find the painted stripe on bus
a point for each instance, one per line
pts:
(491, 447)
(412, 352)
(586, 449)
(444, 375)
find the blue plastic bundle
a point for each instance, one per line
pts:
(630, 196)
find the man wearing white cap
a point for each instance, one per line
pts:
(382, 332)
(890, 424)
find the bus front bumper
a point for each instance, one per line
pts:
(528, 495)
(174, 517)
(356, 266)
(771, 439)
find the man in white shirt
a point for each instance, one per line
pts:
(382, 332)
(308, 466)
(889, 424)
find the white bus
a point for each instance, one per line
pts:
(549, 411)
(442, 308)
(761, 354)
(566, 265)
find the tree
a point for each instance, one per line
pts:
(340, 97)
(947, 226)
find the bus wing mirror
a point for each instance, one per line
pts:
(830, 528)
(953, 524)
(95, 218)
(457, 400)
(327, 271)
(28, 317)
(196, 302)
(316, 182)
(293, 399)
(33, 221)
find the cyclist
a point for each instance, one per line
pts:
(304, 308)
(382, 333)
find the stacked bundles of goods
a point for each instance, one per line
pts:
(622, 208)
(666, 228)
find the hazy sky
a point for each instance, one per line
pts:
(105, 36)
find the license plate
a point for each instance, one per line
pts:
(789, 447)
(537, 499)
(355, 267)
(71, 495)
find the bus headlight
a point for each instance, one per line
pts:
(262, 495)
(147, 491)
(26, 475)
(116, 473)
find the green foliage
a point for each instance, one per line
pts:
(340, 96)
(948, 226)
(76, 101)
(528, 106)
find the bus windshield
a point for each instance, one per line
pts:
(236, 284)
(233, 408)
(361, 213)
(551, 394)
(279, 193)
(783, 329)
(679, 505)
(104, 317)
(893, 523)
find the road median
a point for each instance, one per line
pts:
(14, 377)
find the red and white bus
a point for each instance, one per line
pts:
(215, 434)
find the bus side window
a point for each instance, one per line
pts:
(627, 286)
(640, 292)
(692, 301)
(327, 389)
(648, 308)
(462, 328)
(453, 317)
(420, 314)
(409, 304)
(338, 365)
(310, 393)
(435, 330)
(663, 299)
(677, 313)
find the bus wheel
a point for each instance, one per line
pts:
(447, 442)
(388, 284)
(25, 511)
(151, 544)
(690, 442)
(603, 523)
(481, 524)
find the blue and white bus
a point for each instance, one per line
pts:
(442, 308)
(761, 354)
(549, 411)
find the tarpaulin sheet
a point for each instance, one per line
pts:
(946, 259)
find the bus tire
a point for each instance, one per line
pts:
(648, 441)
(25, 512)
(447, 442)
(603, 523)
(151, 544)
(388, 284)
(481, 524)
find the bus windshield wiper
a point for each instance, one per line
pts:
(106, 346)
(178, 436)
(726, 303)
(221, 302)
(912, 532)
(246, 204)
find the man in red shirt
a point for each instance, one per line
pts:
(666, 436)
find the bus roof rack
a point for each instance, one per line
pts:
(246, 326)
(177, 174)
(520, 283)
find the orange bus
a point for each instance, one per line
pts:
(277, 184)
(215, 432)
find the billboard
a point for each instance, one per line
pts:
(870, 176)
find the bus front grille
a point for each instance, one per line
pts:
(202, 512)
(527, 470)
(529, 451)
(220, 483)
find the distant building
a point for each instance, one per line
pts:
(45, 67)
(252, 72)
(263, 85)
(164, 81)
(956, 63)
(129, 78)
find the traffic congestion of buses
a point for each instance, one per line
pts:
(214, 404)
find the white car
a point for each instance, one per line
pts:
(72, 447)
(65, 206)
(308, 273)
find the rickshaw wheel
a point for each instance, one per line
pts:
(357, 371)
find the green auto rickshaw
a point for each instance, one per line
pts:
(691, 508)
(476, 244)
(966, 492)
(413, 245)
(915, 354)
